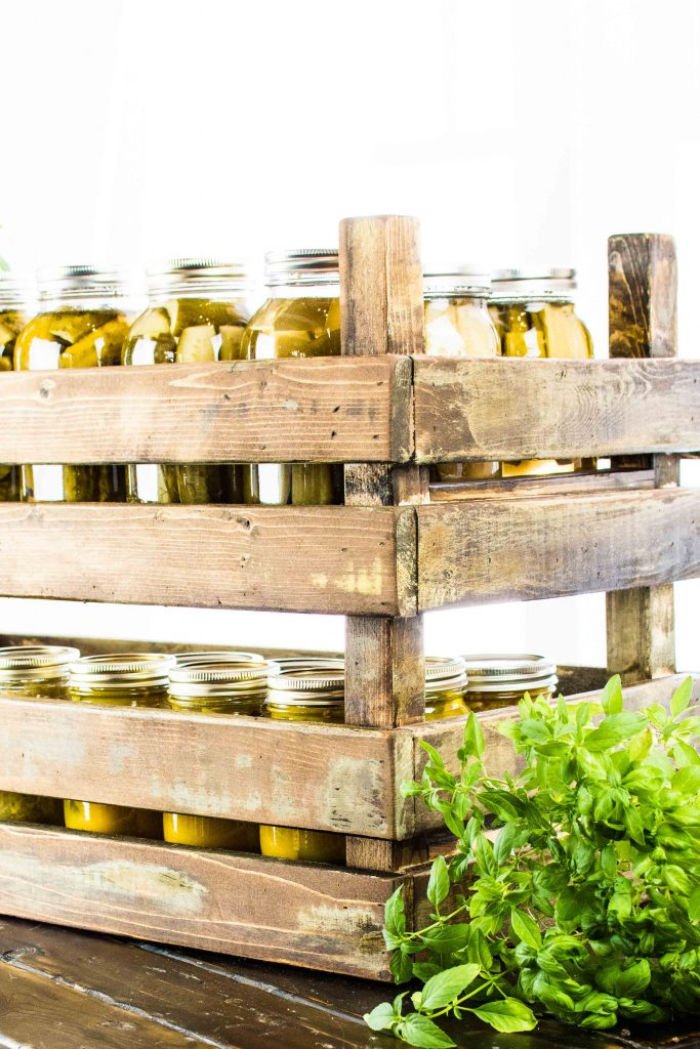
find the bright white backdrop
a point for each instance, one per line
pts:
(518, 130)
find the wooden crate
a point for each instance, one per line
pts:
(398, 547)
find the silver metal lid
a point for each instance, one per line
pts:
(317, 683)
(512, 684)
(301, 266)
(484, 668)
(218, 655)
(12, 292)
(139, 669)
(81, 281)
(442, 672)
(531, 285)
(197, 278)
(455, 281)
(219, 679)
(35, 662)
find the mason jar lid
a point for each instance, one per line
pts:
(512, 684)
(197, 278)
(531, 285)
(81, 281)
(301, 266)
(455, 280)
(318, 683)
(137, 669)
(12, 292)
(218, 656)
(218, 678)
(443, 672)
(35, 662)
(486, 667)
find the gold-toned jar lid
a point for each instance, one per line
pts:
(301, 266)
(35, 662)
(443, 672)
(131, 669)
(310, 683)
(197, 278)
(218, 677)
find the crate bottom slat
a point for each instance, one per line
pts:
(297, 913)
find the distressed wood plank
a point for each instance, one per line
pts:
(643, 310)
(327, 777)
(527, 487)
(381, 299)
(312, 410)
(240, 904)
(504, 549)
(321, 559)
(500, 758)
(565, 409)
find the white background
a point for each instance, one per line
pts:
(517, 131)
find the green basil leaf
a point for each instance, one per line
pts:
(613, 730)
(611, 698)
(694, 905)
(443, 988)
(381, 1018)
(395, 913)
(680, 700)
(526, 929)
(507, 1015)
(421, 1032)
(439, 882)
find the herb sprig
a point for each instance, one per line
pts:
(574, 889)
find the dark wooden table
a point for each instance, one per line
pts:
(61, 989)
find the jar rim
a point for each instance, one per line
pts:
(556, 283)
(35, 662)
(198, 277)
(512, 684)
(496, 665)
(81, 281)
(123, 668)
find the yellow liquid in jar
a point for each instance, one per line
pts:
(99, 818)
(504, 698)
(209, 832)
(293, 328)
(448, 703)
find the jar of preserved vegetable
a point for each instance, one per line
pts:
(301, 318)
(82, 324)
(535, 317)
(313, 690)
(216, 683)
(12, 319)
(138, 679)
(197, 310)
(445, 687)
(458, 324)
(33, 672)
(503, 680)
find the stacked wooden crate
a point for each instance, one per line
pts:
(397, 548)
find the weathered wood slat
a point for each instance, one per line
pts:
(527, 487)
(245, 905)
(313, 410)
(505, 549)
(327, 777)
(305, 559)
(447, 735)
(512, 409)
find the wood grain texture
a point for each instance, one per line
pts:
(527, 487)
(500, 758)
(381, 298)
(565, 409)
(503, 549)
(239, 904)
(321, 559)
(312, 410)
(325, 777)
(642, 307)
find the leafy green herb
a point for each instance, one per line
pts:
(574, 888)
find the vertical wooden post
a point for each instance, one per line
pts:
(642, 290)
(381, 300)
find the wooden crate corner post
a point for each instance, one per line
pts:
(381, 297)
(642, 277)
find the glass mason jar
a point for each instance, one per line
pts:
(33, 672)
(216, 683)
(301, 318)
(82, 324)
(535, 317)
(503, 680)
(445, 687)
(138, 679)
(12, 320)
(458, 324)
(305, 690)
(197, 310)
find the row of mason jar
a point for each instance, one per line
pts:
(234, 683)
(198, 311)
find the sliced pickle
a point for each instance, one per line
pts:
(196, 344)
(231, 348)
(152, 323)
(100, 348)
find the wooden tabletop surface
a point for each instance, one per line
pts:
(61, 989)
